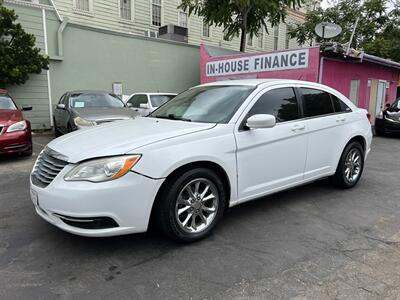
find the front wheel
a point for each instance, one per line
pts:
(191, 204)
(350, 167)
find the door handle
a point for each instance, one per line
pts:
(340, 119)
(298, 127)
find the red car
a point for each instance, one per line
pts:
(15, 131)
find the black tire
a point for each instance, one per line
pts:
(166, 204)
(380, 131)
(28, 152)
(339, 178)
(57, 132)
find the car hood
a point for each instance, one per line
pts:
(9, 116)
(105, 113)
(121, 137)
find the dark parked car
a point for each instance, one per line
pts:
(82, 109)
(388, 120)
(15, 131)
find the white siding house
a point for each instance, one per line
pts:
(143, 17)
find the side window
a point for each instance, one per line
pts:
(281, 103)
(339, 105)
(136, 100)
(316, 102)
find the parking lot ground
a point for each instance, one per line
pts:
(312, 242)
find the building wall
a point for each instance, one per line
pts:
(94, 59)
(105, 15)
(332, 70)
(35, 91)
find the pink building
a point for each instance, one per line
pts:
(368, 81)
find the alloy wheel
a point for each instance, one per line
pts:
(197, 205)
(353, 165)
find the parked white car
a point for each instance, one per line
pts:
(145, 103)
(213, 146)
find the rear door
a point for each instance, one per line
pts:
(327, 122)
(270, 159)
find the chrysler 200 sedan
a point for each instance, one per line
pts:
(211, 147)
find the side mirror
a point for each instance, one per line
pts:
(60, 106)
(129, 105)
(144, 105)
(26, 107)
(261, 121)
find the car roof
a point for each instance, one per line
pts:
(257, 82)
(89, 92)
(155, 94)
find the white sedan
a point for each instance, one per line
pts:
(145, 103)
(210, 148)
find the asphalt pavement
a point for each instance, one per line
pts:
(311, 242)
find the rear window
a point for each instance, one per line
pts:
(316, 102)
(158, 100)
(339, 105)
(6, 102)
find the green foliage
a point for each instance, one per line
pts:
(240, 16)
(18, 55)
(378, 30)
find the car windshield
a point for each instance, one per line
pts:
(208, 104)
(6, 102)
(82, 100)
(158, 100)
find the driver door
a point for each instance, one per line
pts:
(271, 159)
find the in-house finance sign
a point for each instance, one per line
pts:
(278, 61)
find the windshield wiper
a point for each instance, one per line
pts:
(173, 117)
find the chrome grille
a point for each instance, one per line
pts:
(46, 169)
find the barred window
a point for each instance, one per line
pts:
(260, 39)
(82, 5)
(276, 37)
(206, 29)
(287, 38)
(125, 9)
(156, 12)
(249, 40)
(226, 37)
(183, 19)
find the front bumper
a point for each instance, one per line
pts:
(15, 142)
(127, 201)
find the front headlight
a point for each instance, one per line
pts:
(19, 126)
(104, 169)
(83, 123)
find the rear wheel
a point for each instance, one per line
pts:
(380, 131)
(28, 152)
(191, 204)
(57, 132)
(350, 167)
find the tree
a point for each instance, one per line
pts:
(377, 32)
(18, 55)
(240, 16)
